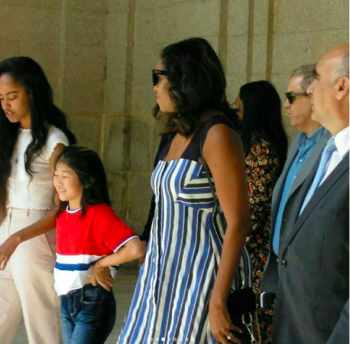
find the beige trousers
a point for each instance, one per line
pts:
(27, 285)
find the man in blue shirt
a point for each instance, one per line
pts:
(303, 154)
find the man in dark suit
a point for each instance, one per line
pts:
(311, 276)
(302, 155)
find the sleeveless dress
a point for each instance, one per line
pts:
(170, 303)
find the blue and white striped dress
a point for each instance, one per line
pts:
(170, 304)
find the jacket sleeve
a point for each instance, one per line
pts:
(340, 334)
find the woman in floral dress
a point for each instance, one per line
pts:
(265, 143)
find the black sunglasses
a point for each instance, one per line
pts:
(291, 96)
(155, 73)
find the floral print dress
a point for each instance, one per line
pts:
(262, 166)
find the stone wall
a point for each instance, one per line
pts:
(98, 55)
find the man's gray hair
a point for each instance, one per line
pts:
(341, 68)
(307, 72)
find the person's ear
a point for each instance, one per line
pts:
(342, 88)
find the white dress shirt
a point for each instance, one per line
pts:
(341, 141)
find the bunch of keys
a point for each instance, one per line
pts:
(249, 327)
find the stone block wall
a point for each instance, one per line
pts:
(98, 56)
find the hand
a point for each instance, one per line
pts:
(220, 323)
(142, 259)
(7, 249)
(101, 275)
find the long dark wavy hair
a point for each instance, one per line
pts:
(91, 174)
(197, 84)
(27, 73)
(262, 118)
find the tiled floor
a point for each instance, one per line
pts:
(123, 289)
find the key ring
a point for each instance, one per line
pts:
(250, 320)
(249, 327)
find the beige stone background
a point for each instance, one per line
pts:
(98, 56)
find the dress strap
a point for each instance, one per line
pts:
(163, 147)
(193, 152)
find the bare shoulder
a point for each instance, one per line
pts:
(222, 133)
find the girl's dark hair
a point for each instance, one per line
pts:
(27, 73)
(262, 118)
(91, 173)
(197, 82)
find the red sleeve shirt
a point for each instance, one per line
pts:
(82, 240)
(99, 232)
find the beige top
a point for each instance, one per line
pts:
(37, 192)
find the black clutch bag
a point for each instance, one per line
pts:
(241, 305)
(241, 301)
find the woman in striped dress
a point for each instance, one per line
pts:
(191, 258)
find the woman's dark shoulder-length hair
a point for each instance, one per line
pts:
(28, 73)
(262, 118)
(197, 83)
(91, 174)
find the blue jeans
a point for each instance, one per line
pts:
(88, 315)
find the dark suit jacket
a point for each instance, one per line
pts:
(340, 334)
(313, 266)
(270, 277)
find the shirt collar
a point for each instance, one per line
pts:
(72, 211)
(314, 137)
(341, 141)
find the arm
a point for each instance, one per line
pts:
(2, 215)
(37, 228)
(132, 250)
(146, 232)
(40, 227)
(144, 237)
(57, 151)
(224, 154)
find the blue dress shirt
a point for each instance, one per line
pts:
(306, 144)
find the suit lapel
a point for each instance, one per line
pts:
(301, 176)
(342, 168)
(309, 163)
(277, 192)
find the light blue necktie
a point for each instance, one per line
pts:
(321, 171)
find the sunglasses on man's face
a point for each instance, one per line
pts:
(155, 77)
(292, 95)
